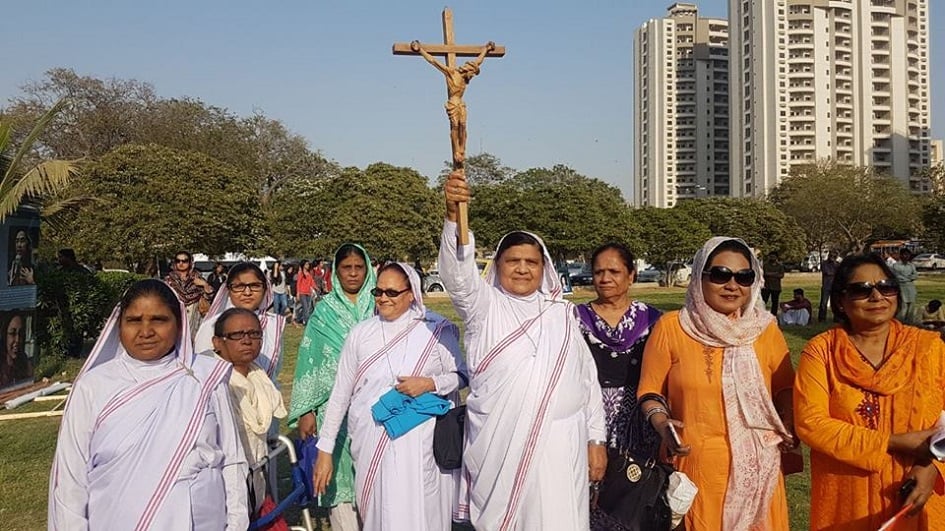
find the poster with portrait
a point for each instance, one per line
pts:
(17, 347)
(22, 255)
(19, 256)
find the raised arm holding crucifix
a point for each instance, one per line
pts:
(457, 78)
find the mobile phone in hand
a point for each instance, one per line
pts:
(672, 430)
(906, 489)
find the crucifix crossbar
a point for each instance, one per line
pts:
(457, 79)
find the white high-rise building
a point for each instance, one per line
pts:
(845, 80)
(681, 108)
(936, 152)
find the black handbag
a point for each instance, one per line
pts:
(448, 438)
(633, 492)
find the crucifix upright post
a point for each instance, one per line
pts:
(457, 79)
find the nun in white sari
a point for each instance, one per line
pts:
(148, 438)
(534, 422)
(248, 288)
(415, 351)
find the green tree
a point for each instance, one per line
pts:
(105, 114)
(281, 156)
(933, 207)
(159, 200)
(669, 237)
(758, 222)
(844, 206)
(571, 212)
(100, 116)
(388, 209)
(43, 182)
(483, 168)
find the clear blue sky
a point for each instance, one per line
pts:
(562, 94)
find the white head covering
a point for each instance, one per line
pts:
(550, 282)
(222, 302)
(108, 345)
(416, 285)
(271, 324)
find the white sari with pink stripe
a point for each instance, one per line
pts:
(534, 401)
(148, 445)
(398, 483)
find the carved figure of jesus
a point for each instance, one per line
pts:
(457, 78)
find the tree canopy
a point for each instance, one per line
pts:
(483, 168)
(390, 210)
(758, 222)
(669, 234)
(844, 207)
(105, 114)
(157, 200)
(571, 212)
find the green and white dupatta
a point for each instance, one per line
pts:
(317, 364)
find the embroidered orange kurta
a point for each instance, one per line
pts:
(689, 375)
(845, 410)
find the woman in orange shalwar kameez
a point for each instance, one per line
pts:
(709, 370)
(866, 396)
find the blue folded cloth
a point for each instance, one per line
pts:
(400, 413)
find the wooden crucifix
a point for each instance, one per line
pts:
(457, 78)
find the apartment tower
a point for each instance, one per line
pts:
(681, 103)
(844, 80)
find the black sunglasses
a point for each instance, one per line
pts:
(254, 335)
(722, 275)
(182, 260)
(391, 293)
(856, 291)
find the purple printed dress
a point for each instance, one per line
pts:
(618, 354)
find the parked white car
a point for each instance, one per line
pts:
(929, 261)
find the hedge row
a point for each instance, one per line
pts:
(71, 310)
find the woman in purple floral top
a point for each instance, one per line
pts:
(616, 328)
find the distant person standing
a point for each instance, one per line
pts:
(828, 270)
(304, 287)
(189, 287)
(906, 275)
(773, 273)
(217, 277)
(291, 275)
(68, 262)
(280, 297)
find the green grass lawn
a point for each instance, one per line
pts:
(26, 446)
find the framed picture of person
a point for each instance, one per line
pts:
(21, 255)
(17, 347)
(18, 259)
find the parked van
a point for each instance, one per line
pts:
(811, 263)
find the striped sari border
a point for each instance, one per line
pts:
(183, 447)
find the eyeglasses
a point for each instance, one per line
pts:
(254, 335)
(254, 287)
(856, 291)
(391, 293)
(182, 260)
(722, 275)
